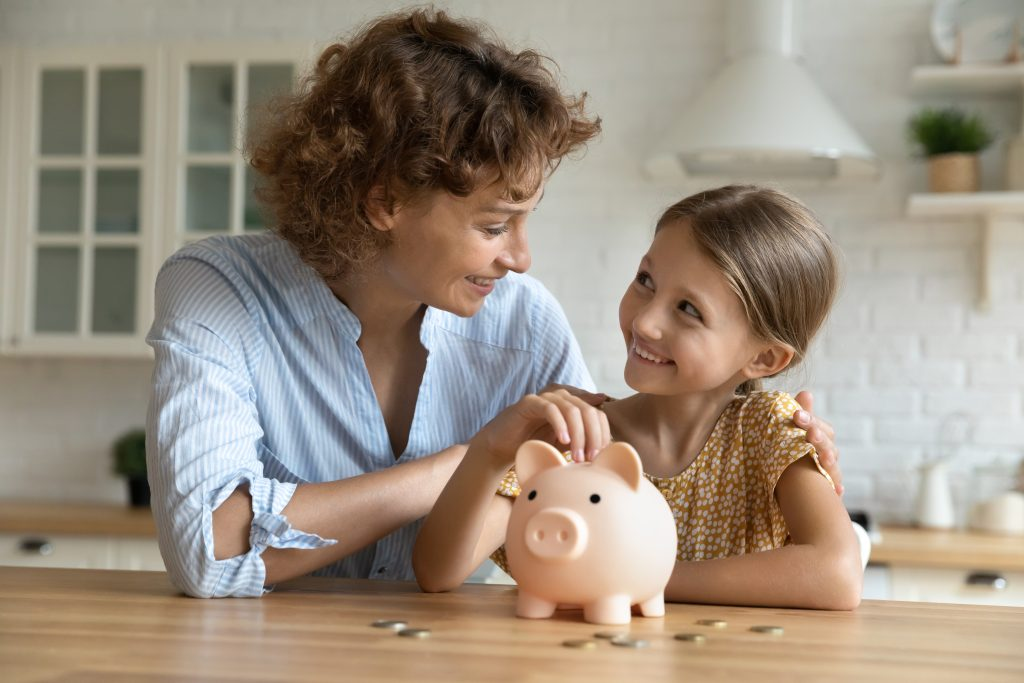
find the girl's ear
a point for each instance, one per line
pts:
(379, 211)
(770, 361)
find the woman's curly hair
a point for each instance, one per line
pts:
(414, 102)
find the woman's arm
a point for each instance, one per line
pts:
(821, 569)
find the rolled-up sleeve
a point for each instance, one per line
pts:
(203, 432)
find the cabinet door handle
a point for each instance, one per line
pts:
(35, 546)
(996, 582)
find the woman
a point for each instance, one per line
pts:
(312, 387)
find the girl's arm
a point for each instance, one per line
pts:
(821, 569)
(468, 521)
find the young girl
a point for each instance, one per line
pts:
(732, 289)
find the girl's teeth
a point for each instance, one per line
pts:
(647, 356)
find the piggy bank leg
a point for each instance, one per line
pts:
(614, 609)
(655, 607)
(530, 606)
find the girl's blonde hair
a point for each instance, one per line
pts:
(775, 255)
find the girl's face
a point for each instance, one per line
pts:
(684, 327)
(448, 251)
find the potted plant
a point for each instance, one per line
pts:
(951, 139)
(130, 462)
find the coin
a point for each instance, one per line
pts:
(626, 641)
(608, 635)
(771, 630)
(415, 633)
(580, 644)
(713, 623)
(692, 637)
(394, 624)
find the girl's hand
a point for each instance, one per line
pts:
(821, 435)
(563, 416)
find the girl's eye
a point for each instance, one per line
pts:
(689, 309)
(644, 279)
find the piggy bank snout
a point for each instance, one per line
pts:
(556, 534)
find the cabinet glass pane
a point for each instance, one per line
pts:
(56, 305)
(60, 201)
(120, 115)
(211, 94)
(266, 81)
(117, 200)
(113, 294)
(254, 213)
(61, 124)
(208, 199)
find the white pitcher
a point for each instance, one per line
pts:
(934, 498)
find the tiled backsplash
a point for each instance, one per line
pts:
(907, 369)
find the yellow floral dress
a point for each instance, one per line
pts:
(724, 502)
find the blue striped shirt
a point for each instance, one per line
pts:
(259, 381)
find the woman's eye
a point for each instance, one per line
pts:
(496, 230)
(644, 279)
(689, 309)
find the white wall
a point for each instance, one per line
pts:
(906, 358)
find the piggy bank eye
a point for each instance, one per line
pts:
(594, 498)
(533, 494)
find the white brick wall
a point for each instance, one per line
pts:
(907, 368)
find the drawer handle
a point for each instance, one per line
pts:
(35, 546)
(996, 582)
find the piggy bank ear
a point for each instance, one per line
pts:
(621, 459)
(536, 456)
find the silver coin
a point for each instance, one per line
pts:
(608, 635)
(580, 644)
(713, 623)
(692, 637)
(415, 633)
(626, 641)
(394, 624)
(770, 630)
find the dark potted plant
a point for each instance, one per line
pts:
(130, 463)
(951, 140)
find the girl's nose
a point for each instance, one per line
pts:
(647, 322)
(516, 254)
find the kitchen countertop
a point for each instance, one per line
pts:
(57, 517)
(99, 626)
(953, 549)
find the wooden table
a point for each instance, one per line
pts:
(90, 626)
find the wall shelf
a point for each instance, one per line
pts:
(993, 209)
(968, 79)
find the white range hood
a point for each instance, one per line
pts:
(762, 117)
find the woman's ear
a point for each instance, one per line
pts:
(379, 211)
(769, 361)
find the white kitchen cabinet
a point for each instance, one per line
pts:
(216, 92)
(83, 241)
(79, 552)
(975, 587)
(7, 75)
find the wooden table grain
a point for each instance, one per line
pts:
(63, 625)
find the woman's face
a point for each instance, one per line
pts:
(448, 251)
(684, 327)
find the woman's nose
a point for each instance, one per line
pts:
(516, 254)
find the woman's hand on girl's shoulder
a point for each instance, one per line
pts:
(566, 417)
(821, 435)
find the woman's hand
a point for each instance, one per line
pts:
(564, 416)
(820, 435)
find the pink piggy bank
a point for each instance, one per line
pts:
(596, 535)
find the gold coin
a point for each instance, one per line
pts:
(771, 630)
(580, 644)
(626, 641)
(692, 637)
(415, 633)
(608, 635)
(394, 624)
(713, 623)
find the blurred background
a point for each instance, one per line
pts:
(121, 123)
